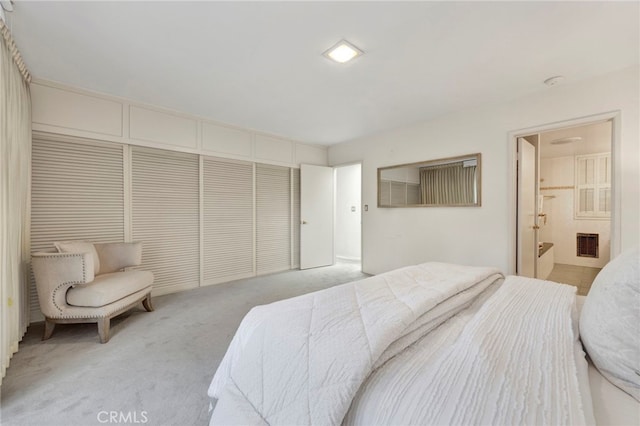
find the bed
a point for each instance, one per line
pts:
(439, 344)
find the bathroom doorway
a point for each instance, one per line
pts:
(565, 203)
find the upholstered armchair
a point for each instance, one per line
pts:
(86, 282)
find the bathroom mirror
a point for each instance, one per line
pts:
(450, 182)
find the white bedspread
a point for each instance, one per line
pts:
(513, 359)
(302, 360)
(514, 363)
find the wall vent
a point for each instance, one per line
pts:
(587, 245)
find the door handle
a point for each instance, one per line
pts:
(304, 222)
(536, 227)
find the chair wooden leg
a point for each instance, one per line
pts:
(103, 329)
(147, 303)
(48, 328)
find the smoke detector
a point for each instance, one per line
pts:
(552, 81)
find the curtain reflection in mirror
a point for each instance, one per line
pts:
(448, 184)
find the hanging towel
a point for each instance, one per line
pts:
(540, 200)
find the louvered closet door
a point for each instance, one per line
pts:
(166, 216)
(295, 222)
(77, 194)
(228, 220)
(273, 221)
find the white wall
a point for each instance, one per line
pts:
(65, 110)
(562, 227)
(347, 224)
(486, 235)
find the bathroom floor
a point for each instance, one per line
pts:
(579, 276)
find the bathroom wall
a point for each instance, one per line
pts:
(561, 227)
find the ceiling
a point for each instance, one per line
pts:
(596, 138)
(259, 65)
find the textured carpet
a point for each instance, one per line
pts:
(157, 366)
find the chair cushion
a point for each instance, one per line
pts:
(80, 247)
(108, 288)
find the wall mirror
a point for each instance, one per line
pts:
(450, 182)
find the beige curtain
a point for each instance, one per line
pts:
(15, 163)
(448, 184)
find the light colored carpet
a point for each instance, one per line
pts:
(157, 366)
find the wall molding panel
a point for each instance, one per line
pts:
(65, 110)
(273, 149)
(156, 126)
(227, 140)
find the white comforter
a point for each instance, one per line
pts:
(302, 360)
(514, 359)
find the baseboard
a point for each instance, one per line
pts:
(349, 259)
(216, 281)
(160, 291)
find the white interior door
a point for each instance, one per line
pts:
(316, 214)
(527, 214)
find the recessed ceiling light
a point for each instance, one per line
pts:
(552, 81)
(343, 52)
(563, 141)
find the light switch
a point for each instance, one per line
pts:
(353, 208)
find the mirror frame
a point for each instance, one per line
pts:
(477, 156)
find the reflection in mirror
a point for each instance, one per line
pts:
(444, 182)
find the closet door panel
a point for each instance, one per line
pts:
(165, 201)
(228, 220)
(273, 218)
(295, 222)
(77, 194)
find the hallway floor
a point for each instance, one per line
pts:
(579, 276)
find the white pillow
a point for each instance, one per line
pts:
(80, 247)
(610, 322)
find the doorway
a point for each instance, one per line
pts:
(348, 214)
(565, 207)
